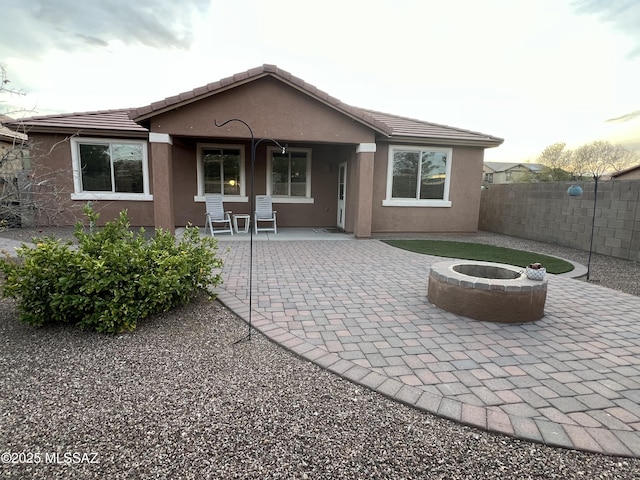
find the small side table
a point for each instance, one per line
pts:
(242, 216)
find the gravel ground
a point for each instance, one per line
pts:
(178, 398)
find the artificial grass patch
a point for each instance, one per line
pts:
(484, 253)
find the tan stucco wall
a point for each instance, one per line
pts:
(461, 217)
(51, 163)
(324, 175)
(464, 193)
(271, 108)
(276, 110)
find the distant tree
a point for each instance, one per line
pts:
(597, 158)
(588, 161)
(557, 161)
(25, 196)
(13, 148)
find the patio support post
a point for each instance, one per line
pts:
(365, 153)
(162, 175)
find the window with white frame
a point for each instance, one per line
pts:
(112, 169)
(418, 176)
(289, 175)
(221, 170)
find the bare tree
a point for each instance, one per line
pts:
(587, 161)
(27, 194)
(557, 159)
(597, 158)
(7, 90)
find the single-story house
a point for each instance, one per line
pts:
(631, 173)
(505, 172)
(14, 161)
(359, 170)
(13, 152)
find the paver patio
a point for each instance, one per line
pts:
(359, 308)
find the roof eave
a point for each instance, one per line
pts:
(138, 118)
(17, 137)
(453, 142)
(88, 131)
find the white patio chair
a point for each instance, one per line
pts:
(264, 213)
(216, 214)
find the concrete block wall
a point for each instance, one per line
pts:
(546, 213)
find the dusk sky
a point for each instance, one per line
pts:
(533, 72)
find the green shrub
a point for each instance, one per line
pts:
(112, 279)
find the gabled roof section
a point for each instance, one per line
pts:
(8, 135)
(98, 122)
(170, 103)
(499, 166)
(127, 122)
(411, 129)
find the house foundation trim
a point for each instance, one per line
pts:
(366, 148)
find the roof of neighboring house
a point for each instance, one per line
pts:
(389, 126)
(505, 166)
(626, 170)
(8, 135)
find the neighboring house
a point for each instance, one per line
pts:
(14, 160)
(631, 173)
(13, 148)
(502, 172)
(359, 170)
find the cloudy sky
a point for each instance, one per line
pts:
(533, 72)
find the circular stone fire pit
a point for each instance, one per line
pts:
(487, 291)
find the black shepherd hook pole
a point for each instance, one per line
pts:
(254, 146)
(593, 222)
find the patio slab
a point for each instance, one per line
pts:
(359, 308)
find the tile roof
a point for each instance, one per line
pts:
(412, 128)
(7, 134)
(387, 125)
(98, 121)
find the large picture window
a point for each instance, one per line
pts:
(418, 176)
(290, 175)
(221, 170)
(110, 169)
